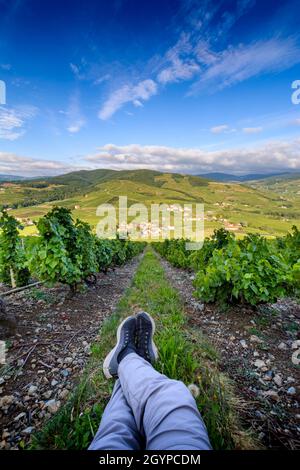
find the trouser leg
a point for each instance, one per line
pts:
(117, 430)
(164, 410)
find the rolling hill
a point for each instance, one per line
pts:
(259, 207)
(287, 184)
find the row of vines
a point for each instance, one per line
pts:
(251, 270)
(65, 251)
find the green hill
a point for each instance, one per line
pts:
(288, 184)
(258, 207)
(79, 183)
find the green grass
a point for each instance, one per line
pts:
(184, 355)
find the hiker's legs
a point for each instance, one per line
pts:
(146, 406)
(164, 410)
(117, 430)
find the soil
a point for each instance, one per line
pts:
(258, 350)
(47, 355)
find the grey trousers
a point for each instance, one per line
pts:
(149, 411)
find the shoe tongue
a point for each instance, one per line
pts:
(130, 324)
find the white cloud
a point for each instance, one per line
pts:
(178, 64)
(272, 155)
(179, 70)
(212, 19)
(138, 104)
(212, 68)
(203, 54)
(11, 163)
(236, 64)
(73, 129)
(252, 130)
(89, 71)
(13, 121)
(101, 79)
(275, 155)
(219, 129)
(198, 56)
(77, 71)
(192, 57)
(127, 94)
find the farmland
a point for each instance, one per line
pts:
(255, 207)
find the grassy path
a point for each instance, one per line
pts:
(184, 355)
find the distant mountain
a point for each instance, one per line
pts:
(281, 177)
(12, 178)
(223, 177)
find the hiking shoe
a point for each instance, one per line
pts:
(125, 345)
(144, 337)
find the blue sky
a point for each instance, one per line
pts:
(173, 85)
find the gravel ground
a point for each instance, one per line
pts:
(259, 350)
(50, 348)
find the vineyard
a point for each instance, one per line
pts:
(149, 232)
(227, 325)
(65, 251)
(252, 270)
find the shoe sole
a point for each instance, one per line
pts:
(112, 352)
(154, 348)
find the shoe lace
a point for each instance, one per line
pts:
(143, 339)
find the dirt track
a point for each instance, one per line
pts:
(52, 345)
(256, 351)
